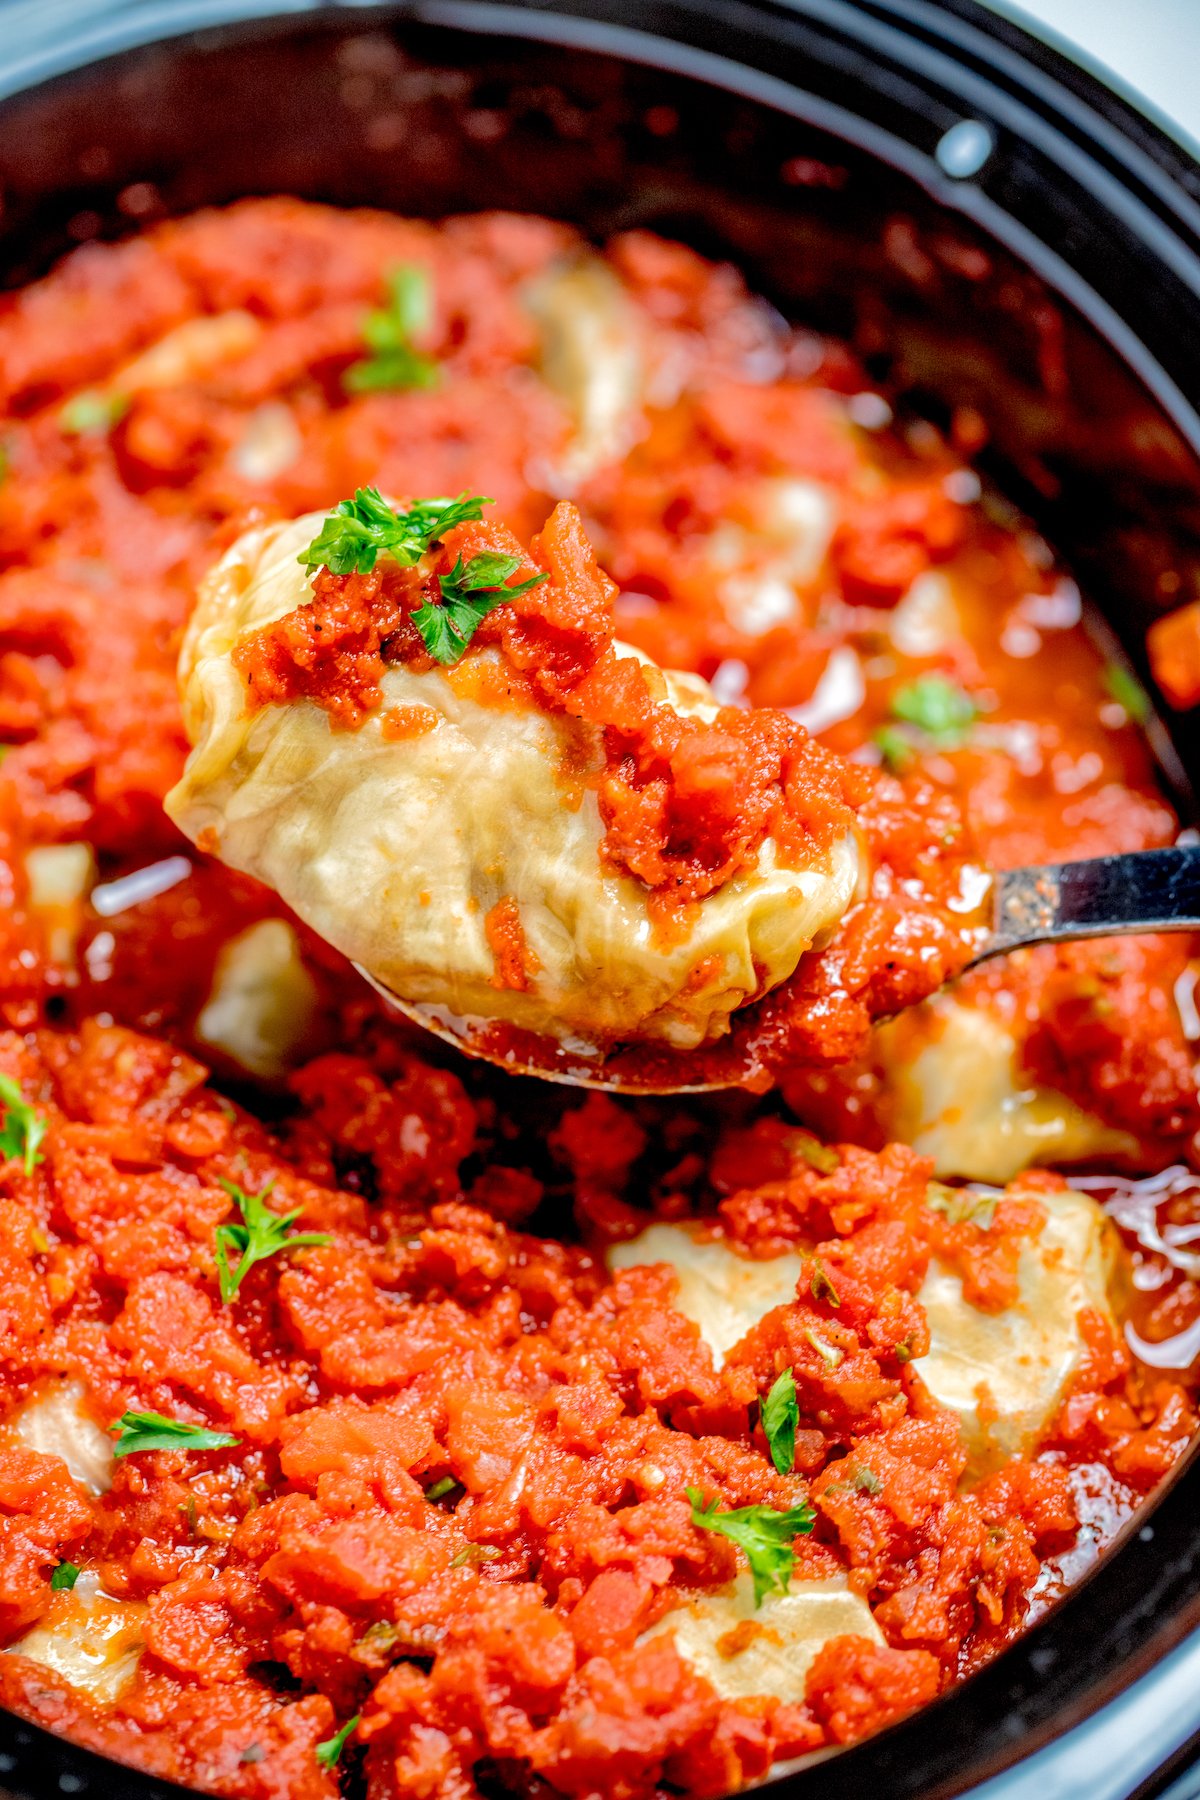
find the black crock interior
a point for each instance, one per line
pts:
(1056, 291)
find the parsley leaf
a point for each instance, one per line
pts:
(22, 1128)
(829, 1353)
(152, 1431)
(327, 1753)
(780, 1417)
(962, 1206)
(91, 413)
(472, 1556)
(859, 1480)
(261, 1234)
(820, 1286)
(811, 1150)
(1128, 693)
(388, 333)
(764, 1535)
(358, 531)
(467, 596)
(895, 749)
(940, 710)
(937, 706)
(64, 1577)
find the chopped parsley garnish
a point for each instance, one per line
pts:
(811, 1150)
(472, 1555)
(1128, 693)
(388, 333)
(895, 749)
(91, 413)
(962, 1206)
(937, 708)
(780, 1417)
(22, 1127)
(858, 1480)
(361, 530)
(379, 1639)
(64, 1577)
(327, 1754)
(439, 1489)
(762, 1534)
(820, 1286)
(830, 1355)
(151, 1431)
(467, 596)
(261, 1234)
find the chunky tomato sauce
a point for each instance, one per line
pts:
(455, 1518)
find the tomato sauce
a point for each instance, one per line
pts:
(456, 1511)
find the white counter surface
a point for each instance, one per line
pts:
(1149, 48)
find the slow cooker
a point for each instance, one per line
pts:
(989, 225)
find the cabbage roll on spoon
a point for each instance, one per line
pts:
(427, 740)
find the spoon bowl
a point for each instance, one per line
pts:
(1050, 903)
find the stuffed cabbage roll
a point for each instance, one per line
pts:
(501, 814)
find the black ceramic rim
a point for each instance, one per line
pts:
(895, 77)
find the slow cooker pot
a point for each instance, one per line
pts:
(988, 224)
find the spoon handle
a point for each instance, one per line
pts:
(1142, 890)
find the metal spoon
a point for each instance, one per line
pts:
(1052, 903)
(1108, 896)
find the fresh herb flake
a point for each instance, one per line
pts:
(780, 1416)
(820, 1286)
(895, 749)
(327, 1754)
(936, 706)
(395, 363)
(1128, 692)
(22, 1128)
(467, 595)
(439, 1489)
(933, 713)
(962, 1206)
(379, 1639)
(817, 1155)
(152, 1431)
(360, 530)
(763, 1535)
(91, 413)
(830, 1355)
(261, 1234)
(858, 1480)
(64, 1577)
(473, 1555)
